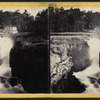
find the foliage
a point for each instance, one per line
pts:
(72, 20)
(26, 22)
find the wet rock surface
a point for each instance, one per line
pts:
(68, 55)
(29, 64)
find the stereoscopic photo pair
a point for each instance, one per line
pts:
(49, 49)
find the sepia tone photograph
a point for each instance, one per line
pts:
(49, 50)
(74, 49)
(24, 50)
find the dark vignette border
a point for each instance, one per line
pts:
(49, 0)
(49, 98)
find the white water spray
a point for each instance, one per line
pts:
(91, 71)
(6, 44)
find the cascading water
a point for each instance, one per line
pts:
(6, 44)
(88, 75)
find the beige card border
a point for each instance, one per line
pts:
(46, 4)
(48, 95)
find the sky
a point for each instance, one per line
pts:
(94, 9)
(32, 10)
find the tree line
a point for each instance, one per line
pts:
(51, 19)
(25, 22)
(72, 20)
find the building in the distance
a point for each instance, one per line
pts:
(10, 29)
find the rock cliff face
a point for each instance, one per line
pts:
(29, 64)
(8, 84)
(67, 55)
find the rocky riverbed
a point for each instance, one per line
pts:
(68, 54)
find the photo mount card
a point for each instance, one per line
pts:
(49, 53)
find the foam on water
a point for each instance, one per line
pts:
(83, 76)
(6, 44)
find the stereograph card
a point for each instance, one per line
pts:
(50, 50)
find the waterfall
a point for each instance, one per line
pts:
(6, 44)
(87, 75)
